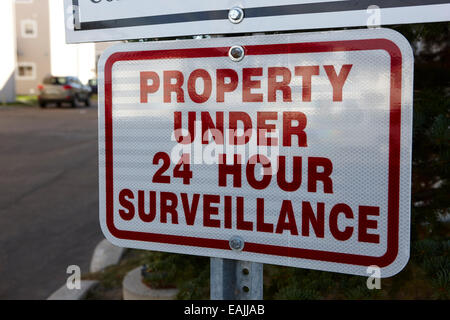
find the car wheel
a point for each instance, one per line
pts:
(42, 104)
(87, 102)
(75, 102)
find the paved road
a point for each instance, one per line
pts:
(48, 197)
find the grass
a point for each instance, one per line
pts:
(29, 100)
(22, 100)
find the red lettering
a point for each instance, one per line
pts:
(306, 72)
(248, 84)
(264, 128)
(250, 170)
(296, 174)
(273, 85)
(334, 228)
(170, 87)
(167, 207)
(364, 224)
(208, 210)
(207, 85)
(314, 175)
(298, 130)
(124, 195)
(243, 117)
(262, 226)
(241, 224)
(228, 212)
(209, 126)
(147, 216)
(178, 127)
(147, 89)
(309, 218)
(221, 86)
(337, 81)
(190, 212)
(234, 170)
(286, 211)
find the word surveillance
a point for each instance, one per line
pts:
(249, 213)
(227, 212)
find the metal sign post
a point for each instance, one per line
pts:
(236, 280)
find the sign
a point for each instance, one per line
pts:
(104, 20)
(289, 149)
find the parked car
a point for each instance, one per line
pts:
(63, 90)
(93, 84)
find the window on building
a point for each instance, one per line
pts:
(28, 28)
(26, 71)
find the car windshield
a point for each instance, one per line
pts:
(93, 82)
(56, 80)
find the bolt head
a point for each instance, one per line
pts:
(235, 15)
(236, 53)
(236, 243)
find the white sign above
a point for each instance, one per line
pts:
(105, 20)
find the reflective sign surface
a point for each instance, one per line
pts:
(291, 149)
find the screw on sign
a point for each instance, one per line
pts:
(236, 243)
(236, 53)
(290, 149)
(236, 15)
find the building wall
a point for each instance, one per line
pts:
(8, 52)
(68, 59)
(46, 51)
(33, 44)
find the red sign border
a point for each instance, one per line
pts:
(289, 48)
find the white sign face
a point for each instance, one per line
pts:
(104, 20)
(300, 150)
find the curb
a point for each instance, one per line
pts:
(105, 255)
